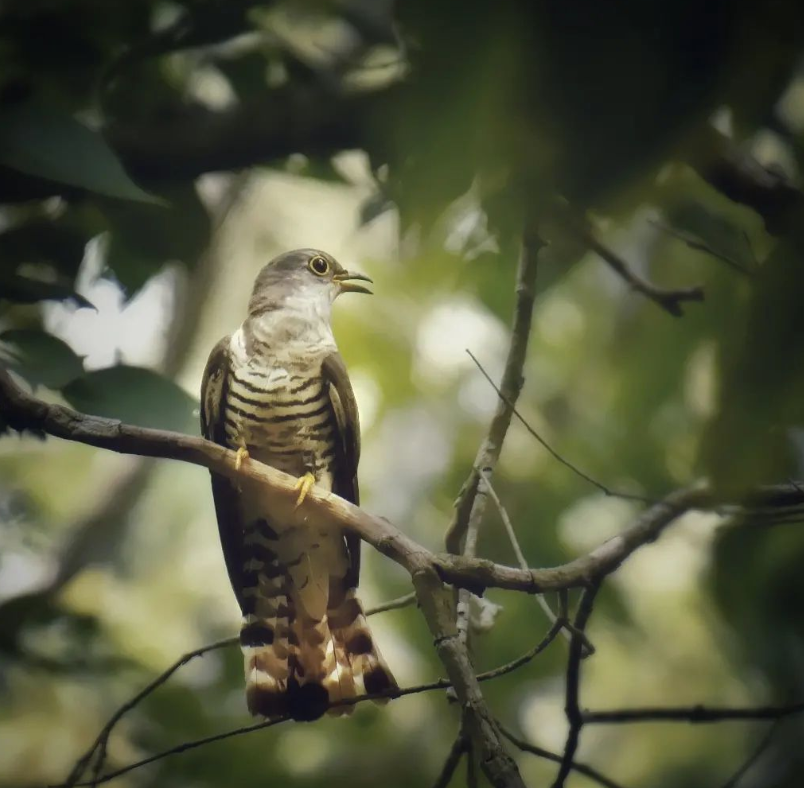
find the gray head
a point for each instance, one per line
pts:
(303, 276)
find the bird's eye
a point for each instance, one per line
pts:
(319, 266)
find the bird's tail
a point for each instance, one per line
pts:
(305, 639)
(357, 667)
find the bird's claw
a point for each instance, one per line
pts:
(304, 485)
(242, 454)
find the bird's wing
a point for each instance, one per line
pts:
(347, 421)
(214, 388)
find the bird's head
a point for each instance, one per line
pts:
(306, 275)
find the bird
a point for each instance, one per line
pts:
(277, 391)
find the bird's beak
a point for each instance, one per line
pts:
(344, 279)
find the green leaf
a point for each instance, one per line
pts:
(144, 237)
(24, 290)
(708, 231)
(42, 141)
(41, 358)
(135, 396)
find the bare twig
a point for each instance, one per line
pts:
(757, 753)
(393, 604)
(434, 685)
(580, 768)
(101, 742)
(184, 747)
(553, 453)
(692, 714)
(509, 389)
(571, 705)
(470, 505)
(670, 300)
(457, 751)
(523, 564)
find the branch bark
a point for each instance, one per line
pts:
(21, 411)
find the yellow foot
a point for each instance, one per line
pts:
(304, 485)
(242, 454)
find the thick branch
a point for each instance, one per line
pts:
(22, 411)
(480, 727)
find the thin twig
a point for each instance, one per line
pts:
(101, 742)
(692, 714)
(470, 506)
(580, 768)
(456, 752)
(80, 767)
(393, 604)
(184, 747)
(669, 300)
(557, 627)
(568, 628)
(757, 753)
(553, 453)
(571, 705)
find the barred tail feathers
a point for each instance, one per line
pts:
(353, 642)
(305, 638)
(264, 631)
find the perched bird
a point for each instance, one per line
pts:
(277, 391)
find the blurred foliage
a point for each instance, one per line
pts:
(418, 139)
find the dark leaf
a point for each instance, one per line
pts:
(144, 237)
(51, 144)
(43, 241)
(39, 357)
(715, 233)
(133, 395)
(374, 206)
(24, 290)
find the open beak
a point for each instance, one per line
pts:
(345, 280)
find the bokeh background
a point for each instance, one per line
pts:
(154, 155)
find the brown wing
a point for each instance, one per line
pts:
(214, 388)
(347, 421)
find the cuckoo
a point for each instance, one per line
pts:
(277, 391)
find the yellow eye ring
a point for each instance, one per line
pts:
(319, 266)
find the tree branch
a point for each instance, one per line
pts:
(101, 742)
(470, 505)
(571, 705)
(581, 768)
(692, 714)
(457, 751)
(670, 300)
(480, 726)
(21, 411)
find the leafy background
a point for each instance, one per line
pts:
(154, 155)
